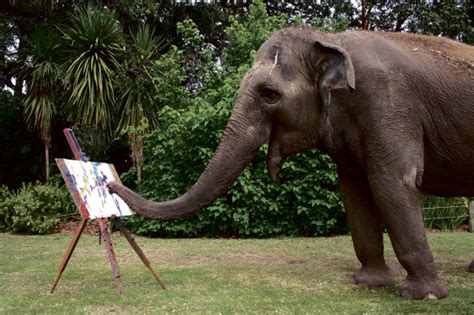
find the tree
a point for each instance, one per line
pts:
(447, 18)
(44, 76)
(93, 59)
(18, 19)
(138, 109)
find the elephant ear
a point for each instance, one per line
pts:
(336, 70)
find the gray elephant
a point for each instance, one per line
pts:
(394, 111)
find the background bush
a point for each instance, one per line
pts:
(34, 209)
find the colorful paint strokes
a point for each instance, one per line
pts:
(87, 183)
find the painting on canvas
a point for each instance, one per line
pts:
(87, 183)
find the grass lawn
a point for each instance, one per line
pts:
(283, 276)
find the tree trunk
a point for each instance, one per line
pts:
(137, 154)
(46, 159)
(366, 10)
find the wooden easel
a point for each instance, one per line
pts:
(104, 231)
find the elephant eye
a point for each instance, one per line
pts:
(269, 95)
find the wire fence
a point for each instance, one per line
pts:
(444, 215)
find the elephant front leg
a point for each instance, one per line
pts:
(366, 231)
(397, 197)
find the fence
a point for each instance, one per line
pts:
(448, 213)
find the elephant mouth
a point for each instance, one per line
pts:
(274, 165)
(283, 145)
(274, 159)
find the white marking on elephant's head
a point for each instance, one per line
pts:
(275, 63)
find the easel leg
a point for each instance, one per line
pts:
(140, 253)
(103, 224)
(70, 250)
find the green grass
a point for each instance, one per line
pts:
(282, 276)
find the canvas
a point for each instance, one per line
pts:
(87, 183)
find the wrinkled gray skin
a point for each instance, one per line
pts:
(394, 111)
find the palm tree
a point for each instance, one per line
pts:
(44, 79)
(96, 46)
(138, 109)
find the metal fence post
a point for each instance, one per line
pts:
(471, 215)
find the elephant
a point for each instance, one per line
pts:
(394, 111)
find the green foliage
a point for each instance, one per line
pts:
(44, 75)
(33, 208)
(330, 24)
(136, 86)
(199, 61)
(449, 19)
(170, 79)
(4, 194)
(305, 203)
(96, 46)
(445, 213)
(247, 35)
(138, 110)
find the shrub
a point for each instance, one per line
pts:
(4, 194)
(34, 208)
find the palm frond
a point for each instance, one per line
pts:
(96, 46)
(44, 76)
(137, 90)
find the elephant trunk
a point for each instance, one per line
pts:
(245, 132)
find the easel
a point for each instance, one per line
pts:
(104, 230)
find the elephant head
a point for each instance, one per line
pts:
(281, 101)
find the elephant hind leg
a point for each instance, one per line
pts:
(366, 231)
(471, 266)
(394, 187)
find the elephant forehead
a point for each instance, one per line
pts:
(262, 73)
(276, 56)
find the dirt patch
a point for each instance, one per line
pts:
(70, 225)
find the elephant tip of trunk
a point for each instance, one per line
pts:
(136, 202)
(114, 187)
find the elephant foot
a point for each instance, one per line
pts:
(422, 289)
(471, 266)
(370, 277)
